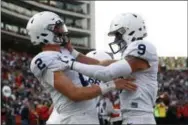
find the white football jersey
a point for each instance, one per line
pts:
(116, 114)
(102, 104)
(107, 107)
(43, 65)
(144, 97)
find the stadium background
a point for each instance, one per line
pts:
(17, 52)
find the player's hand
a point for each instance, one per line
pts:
(126, 84)
(69, 46)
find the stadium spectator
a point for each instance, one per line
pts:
(43, 112)
(24, 86)
(25, 113)
(182, 112)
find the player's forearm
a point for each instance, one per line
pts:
(106, 62)
(84, 59)
(86, 93)
(87, 60)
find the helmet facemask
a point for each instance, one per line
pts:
(60, 32)
(119, 43)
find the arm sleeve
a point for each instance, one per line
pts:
(115, 70)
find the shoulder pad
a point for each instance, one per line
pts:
(142, 49)
(46, 60)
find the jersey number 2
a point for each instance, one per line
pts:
(40, 64)
(141, 49)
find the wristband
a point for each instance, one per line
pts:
(106, 87)
(75, 53)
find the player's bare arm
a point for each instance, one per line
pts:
(65, 86)
(137, 64)
(106, 62)
(79, 56)
(85, 59)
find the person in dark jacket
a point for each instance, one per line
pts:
(25, 114)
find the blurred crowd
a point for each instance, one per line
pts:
(175, 83)
(29, 105)
(172, 103)
(173, 63)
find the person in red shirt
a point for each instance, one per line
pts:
(19, 79)
(43, 112)
(185, 113)
(33, 117)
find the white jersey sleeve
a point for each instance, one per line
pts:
(45, 63)
(142, 49)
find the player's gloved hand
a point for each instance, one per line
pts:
(67, 61)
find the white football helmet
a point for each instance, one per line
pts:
(99, 55)
(47, 28)
(126, 28)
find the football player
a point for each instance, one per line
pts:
(108, 105)
(103, 103)
(139, 59)
(72, 96)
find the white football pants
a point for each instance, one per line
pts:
(138, 118)
(88, 117)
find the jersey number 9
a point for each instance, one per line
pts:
(141, 49)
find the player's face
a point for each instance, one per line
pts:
(60, 31)
(118, 44)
